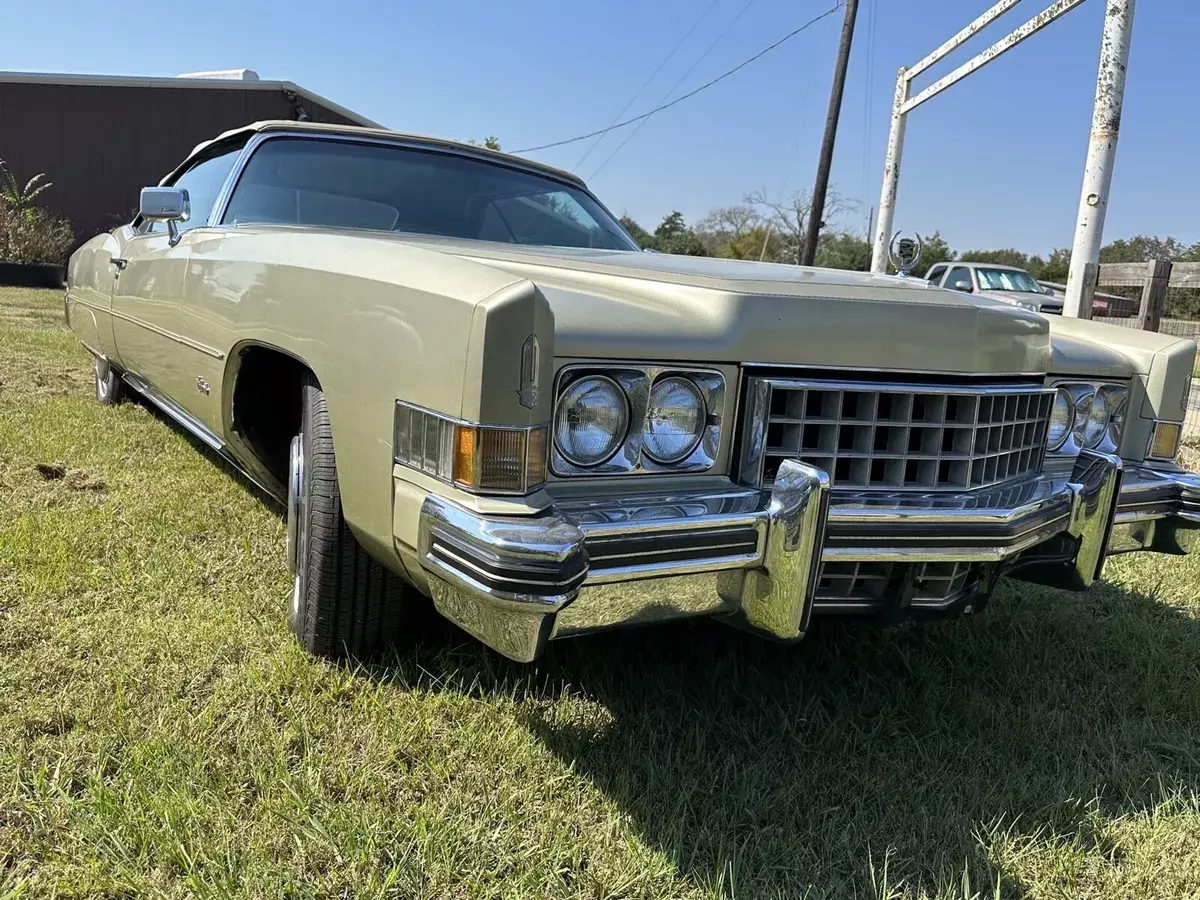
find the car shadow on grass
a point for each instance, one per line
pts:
(779, 767)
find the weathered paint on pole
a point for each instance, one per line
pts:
(1102, 147)
(891, 175)
(1050, 14)
(903, 105)
(989, 16)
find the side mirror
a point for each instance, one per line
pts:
(165, 204)
(962, 284)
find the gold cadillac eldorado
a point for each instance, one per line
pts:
(467, 382)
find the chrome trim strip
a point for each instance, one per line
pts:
(616, 574)
(447, 551)
(170, 335)
(1039, 377)
(188, 422)
(833, 384)
(193, 427)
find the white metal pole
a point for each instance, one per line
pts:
(891, 175)
(1102, 147)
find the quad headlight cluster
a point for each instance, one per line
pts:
(612, 421)
(1087, 416)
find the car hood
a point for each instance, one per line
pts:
(631, 305)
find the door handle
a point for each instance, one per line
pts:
(119, 262)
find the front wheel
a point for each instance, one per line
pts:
(344, 603)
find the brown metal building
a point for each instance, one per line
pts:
(100, 139)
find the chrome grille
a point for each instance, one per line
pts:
(849, 586)
(897, 437)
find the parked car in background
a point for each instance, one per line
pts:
(1008, 284)
(463, 379)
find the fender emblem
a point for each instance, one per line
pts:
(201, 385)
(530, 364)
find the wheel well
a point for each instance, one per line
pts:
(266, 405)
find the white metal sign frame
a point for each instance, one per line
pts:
(1106, 120)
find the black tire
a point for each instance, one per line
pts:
(110, 387)
(344, 603)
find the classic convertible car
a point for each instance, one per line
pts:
(463, 377)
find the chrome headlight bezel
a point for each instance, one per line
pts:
(615, 437)
(1105, 436)
(698, 411)
(1053, 444)
(637, 381)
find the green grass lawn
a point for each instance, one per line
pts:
(162, 735)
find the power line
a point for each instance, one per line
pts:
(692, 93)
(667, 96)
(653, 75)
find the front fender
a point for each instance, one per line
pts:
(376, 321)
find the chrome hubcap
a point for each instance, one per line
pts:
(294, 502)
(295, 520)
(101, 376)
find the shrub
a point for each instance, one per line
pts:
(28, 233)
(34, 236)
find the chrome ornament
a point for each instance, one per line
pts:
(904, 252)
(530, 366)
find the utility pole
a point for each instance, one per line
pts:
(817, 209)
(1102, 150)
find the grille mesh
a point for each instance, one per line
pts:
(866, 582)
(869, 436)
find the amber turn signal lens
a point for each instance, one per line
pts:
(501, 460)
(1164, 443)
(464, 455)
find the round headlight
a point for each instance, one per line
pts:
(1061, 418)
(591, 420)
(675, 420)
(1083, 414)
(1097, 422)
(1118, 399)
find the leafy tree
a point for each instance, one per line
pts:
(842, 250)
(1142, 248)
(673, 235)
(637, 232)
(491, 142)
(1057, 266)
(1006, 257)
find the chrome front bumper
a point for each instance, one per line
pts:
(754, 557)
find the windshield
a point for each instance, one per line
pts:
(1007, 280)
(382, 187)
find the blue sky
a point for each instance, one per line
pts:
(994, 161)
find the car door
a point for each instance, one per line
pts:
(147, 325)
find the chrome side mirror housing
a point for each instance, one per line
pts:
(165, 204)
(961, 284)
